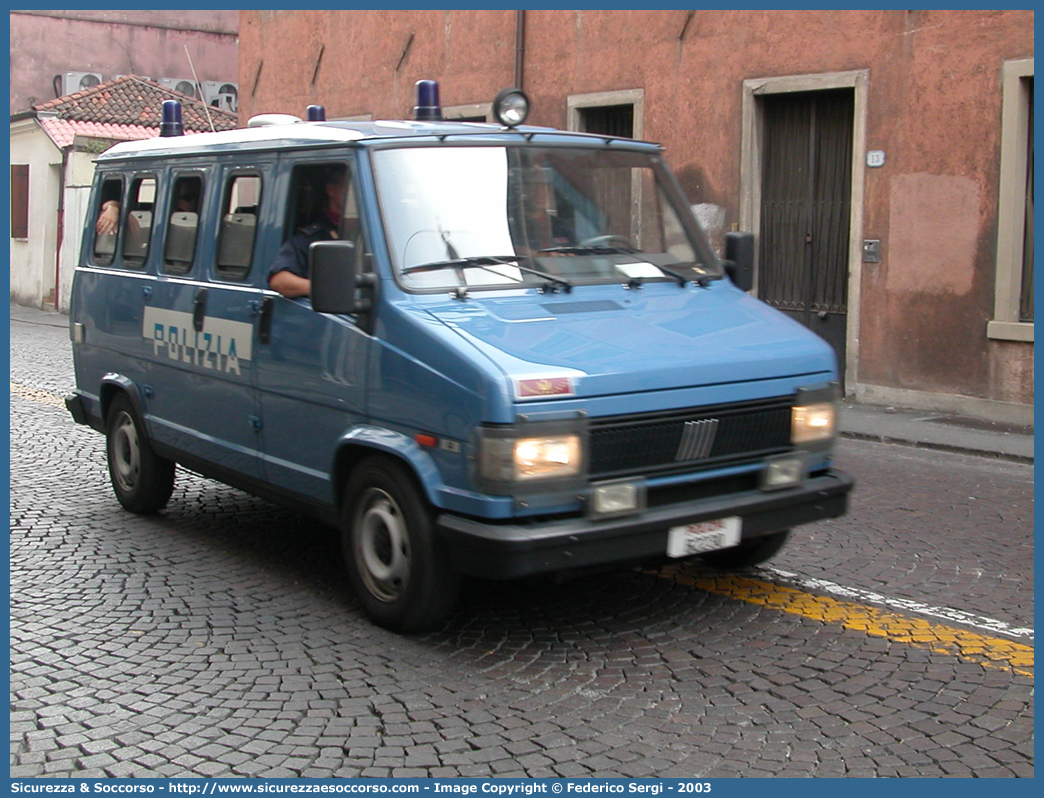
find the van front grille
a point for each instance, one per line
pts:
(694, 439)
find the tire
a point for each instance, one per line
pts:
(748, 553)
(395, 562)
(141, 479)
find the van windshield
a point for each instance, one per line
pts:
(501, 216)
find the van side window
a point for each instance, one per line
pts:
(109, 198)
(235, 250)
(314, 213)
(310, 194)
(182, 224)
(138, 223)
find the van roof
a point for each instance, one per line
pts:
(318, 134)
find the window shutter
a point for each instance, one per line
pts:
(1026, 300)
(19, 200)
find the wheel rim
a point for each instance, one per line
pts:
(126, 452)
(382, 545)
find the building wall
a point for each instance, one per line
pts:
(33, 258)
(934, 104)
(366, 62)
(150, 43)
(79, 175)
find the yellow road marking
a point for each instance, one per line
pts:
(990, 652)
(36, 395)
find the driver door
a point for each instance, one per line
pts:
(311, 367)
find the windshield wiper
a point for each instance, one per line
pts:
(680, 278)
(594, 249)
(485, 261)
(701, 281)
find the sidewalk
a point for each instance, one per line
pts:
(921, 428)
(37, 316)
(932, 430)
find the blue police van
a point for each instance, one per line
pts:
(514, 353)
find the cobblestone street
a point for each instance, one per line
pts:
(218, 638)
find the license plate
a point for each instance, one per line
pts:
(684, 541)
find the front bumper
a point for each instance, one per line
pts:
(505, 551)
(74, 404)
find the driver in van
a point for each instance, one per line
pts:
(289, 272)
(543, 225)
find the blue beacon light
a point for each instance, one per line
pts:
(427, 108)
(171, 119)
(316, 113)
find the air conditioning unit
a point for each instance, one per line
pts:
(221, 95)
(182, 85)
(78, 81)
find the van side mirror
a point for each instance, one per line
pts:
(338, 284)
(739, 259)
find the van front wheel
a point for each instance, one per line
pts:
(141, 479)
(395, 561)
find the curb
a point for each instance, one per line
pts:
(60, 320)
(942, 447)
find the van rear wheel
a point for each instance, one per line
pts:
(395, 562)
(748, 553)
(141, 479)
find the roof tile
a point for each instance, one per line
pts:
(63, 132)
(135, 101)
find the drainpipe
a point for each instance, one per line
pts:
(520, 45)
(61, 226)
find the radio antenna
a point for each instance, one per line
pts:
(199, 88)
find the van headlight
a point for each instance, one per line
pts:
(540, 454)
(813, 418)
(809, 423)
(524, 459)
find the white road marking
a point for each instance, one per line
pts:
(980, 622)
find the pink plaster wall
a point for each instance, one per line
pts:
(361, 62)
(150, 43)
